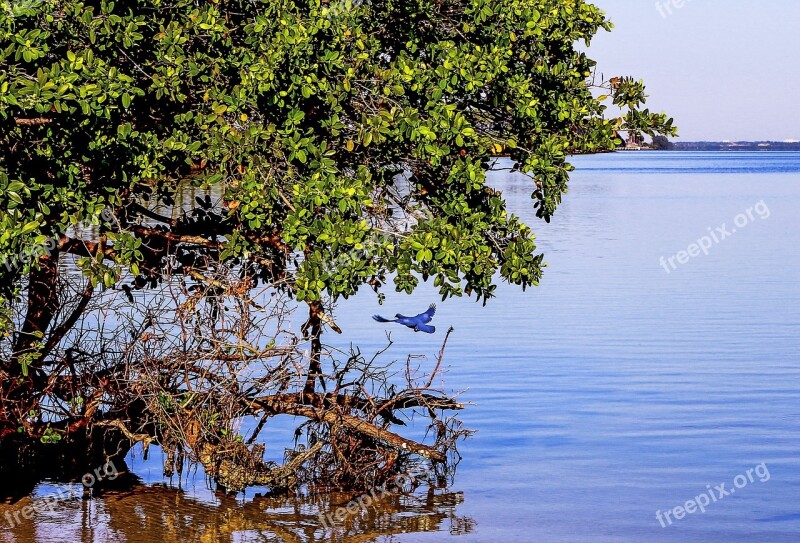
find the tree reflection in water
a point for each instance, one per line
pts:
(150, 514)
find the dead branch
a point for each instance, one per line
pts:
(36, 121)
(353, 423)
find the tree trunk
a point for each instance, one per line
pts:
(17, 391)
(314, 326)
(42, 306)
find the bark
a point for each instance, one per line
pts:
(276, 406)
(313, 328)
(42, 306)
(17, 390)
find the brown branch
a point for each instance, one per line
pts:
(61, 330)
(138, 208)
(273, 352)
(145, 439)
(353, 423)
(176, 238)
(284, 476)
(329, 321)
(37, 121)
(346, 400)
(439, 359)
(273, 241)
(81, 247)
(314, 326)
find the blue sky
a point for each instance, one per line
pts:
(725, 69)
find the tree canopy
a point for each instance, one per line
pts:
(340, 145)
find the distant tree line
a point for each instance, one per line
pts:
(662, 143)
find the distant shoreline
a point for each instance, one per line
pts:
(736, 146)
(744, 146)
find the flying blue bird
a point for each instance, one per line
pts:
(418, 323)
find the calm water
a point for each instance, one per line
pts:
(614, 390)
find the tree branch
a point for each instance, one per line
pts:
(37, 121)
(355, 424)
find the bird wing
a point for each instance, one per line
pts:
(428, 315)
(425, 328)
(411, 322)
(381, 319)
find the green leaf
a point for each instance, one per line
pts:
(30, 227)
